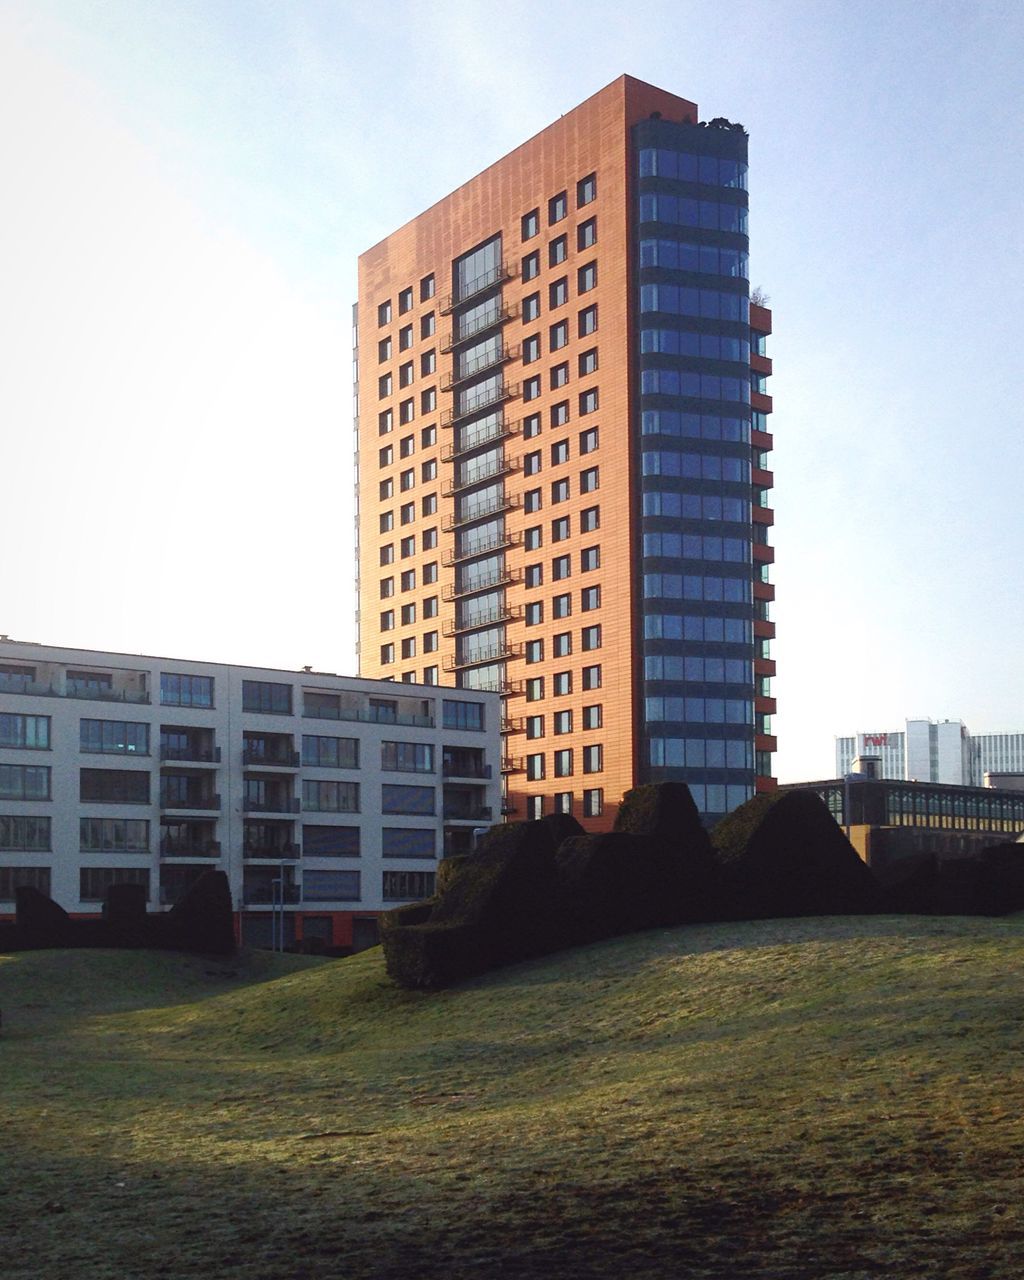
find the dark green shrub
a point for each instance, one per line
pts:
(201, 920)
(661, 809)
(783, 854)
(124, 910)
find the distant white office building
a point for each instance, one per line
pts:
(934, 751)
(326, 799)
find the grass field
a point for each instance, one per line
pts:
(813, 1098)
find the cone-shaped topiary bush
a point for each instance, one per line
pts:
(783, 854)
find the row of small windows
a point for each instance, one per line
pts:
(562, 682)
(687, 342)
(674, 626)
(407, 408)
(562, 762)
(558, 206)
(697, 466)
(695, 506)
(686, 300)
(692, 546)
(696, 386)
(558, 337)
(678, 586)
(560, 452)
(561, 529)
(561, 567)
(405, 300)
(695, 668)
(707, 259)
(562, 721)
(681, 211)
(695, 426)
(701, 753)
(564, 802)
(712, 171)
(699, 710)
(561, 490)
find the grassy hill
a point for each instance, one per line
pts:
(812, 1098)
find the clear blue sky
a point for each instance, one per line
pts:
(188, 186)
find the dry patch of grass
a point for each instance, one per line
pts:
(823, 1098)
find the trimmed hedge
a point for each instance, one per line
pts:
(783, 854)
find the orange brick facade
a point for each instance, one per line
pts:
(554, 466)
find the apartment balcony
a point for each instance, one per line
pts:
(513, 764)
(508, 807)
(270, 895)
(478, 439)
(170, 848)
(498, 542)
(476, 404)
(473, 288)
(482, 511)
(500, 315)
(192, 754)
(500, 467)
(371, 716)
(51, 689)
(278, 760)
(764, 666)
(493, 361)
(492, 618)
(478, 772)
(273, 804)
(467, 813)
(504, 579)
(171, 802)
(493, 653)
(512, 724)
(271, 853)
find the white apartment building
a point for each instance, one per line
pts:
(934, 751)
(326, 799)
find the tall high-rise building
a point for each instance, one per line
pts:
(562, 446)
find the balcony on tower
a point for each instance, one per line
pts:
(268, 793)
(187, 744)
(269, 751)
(189, 838)
(272, 839)
(187, 789)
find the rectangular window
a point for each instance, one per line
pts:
(16, 679)
(587, 321)
(329, 797)
(407, 886)
(407, 757)
(407, 480)
(383, 385)
(533, 575)
(186, 691)
(387, 553)
(558, 250)
(558, 335)
(533, 538)
(559, 375)
(430, 642)
(561, 567)
(563, 763)
(329, 753)
(407, 410)
(383, 350)
(408, 579)
(531, 500)
(558, 206)
(428, 400)
(113, 835)
(563, 722)
(408, 842)
(590, 558)
(561, 606)
(586, 277)
(558, 292)
(534, 651)
(592, 677)
(588, 401)
(429, 569)
(14, 878)
(590, 598)
(588, 440)
(329, 842)
(586, 190)
(561, 644)
(411, 800)
(462, 715)
(428, 363)
(534, 727)
(26, 834)
(385, 421)
(588, 362)
(593, 802)
(405, 301)
(560, 413)
(531, 265)
(563, 802)
(27, 781)
(428, 325)
(531, 463)
(531, 387)
(592, 716)
(407, 513)
(387, 654)
(384, 313)
(30, 733)
(590, 519)
(531, 348)
(428, 437)
(408, 546)
(112, 786)
(535, 689)
(535, 767)
(405, 374)
(531, 308)
(531, 426)
(534, 613)
(591, 637)
(330, 886)
(560, 490)
(95, 882)
(429, 602)
(267, 697)
(427, 288)
(534, 807)
(114, 737)
(560, 529)
(586, 234)
(530, 224)
(589, 480)
(593, 759)
(561, 683)
(405, 337)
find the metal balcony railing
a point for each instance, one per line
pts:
(278, 759)
(170, 800)
(493, 653)
(454, 591)
(512, 724)
(490, 618)
(480, 284)
(190, 754)
(189, 848)
(280, 852)
(474, 369)
(475, 404)
(472, 440)
(496, 467)
(484, 547)
(467, 769)
(273, 804)
(478, 325)
(512, 764)
(460, 813)
(482, 511)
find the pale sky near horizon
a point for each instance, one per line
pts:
(187, 187)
